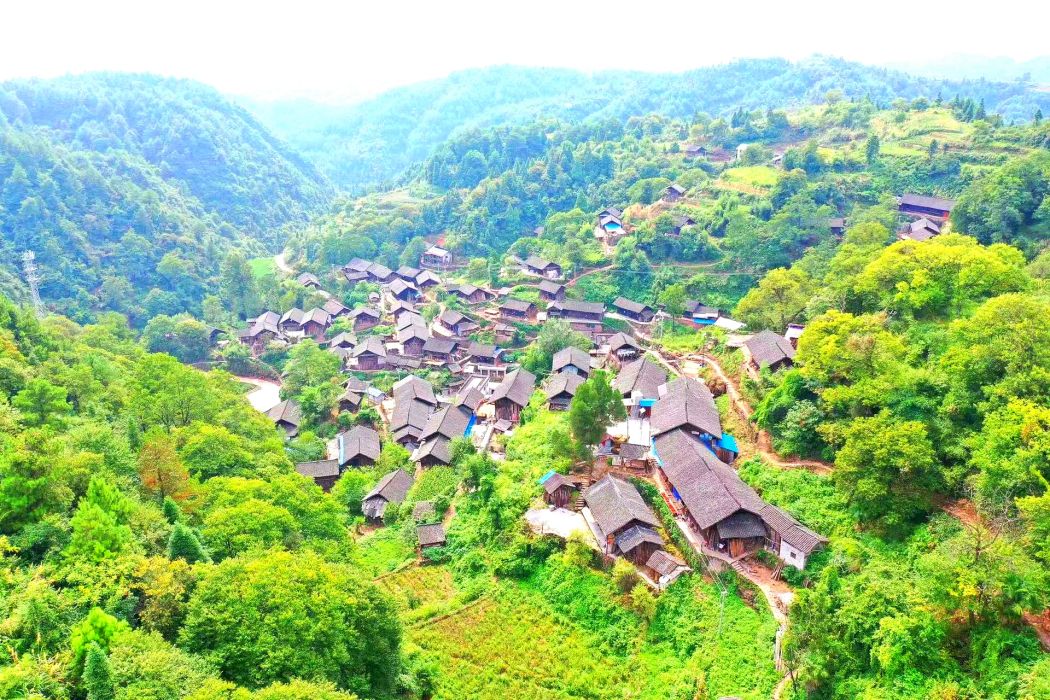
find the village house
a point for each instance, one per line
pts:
(292, 320)
(439, 350)
(687, 404)
(353, 396)
(357, 447)
(456, 323)
(403, 291)
(673, 192)
(504, 333)
(680, 224)
(665, 568)
(427, 279)
(933, 208)
(286, 416)
(413, 388)
(408, 273)
(540, 267)
(364, 317)
(572, 360)
(335, 308)
(560, 388)
(837, 225)
(642, 313)
(470, 294)
(380, 274)
(793, 332)
(640, 381)
(767, 349)
(392, 488)
(315, 323)
(430, 536)
(262, 331)
(354, 276)
(369, 355)
(695, 150)
(513, 394)
(624, 523)
(518, 311)
(399, 308)
(445, 425)
(700, 314)
(324, 472)
(728, 515)
(582, 315)
(342, 340)
(922, 229)
(308, 279)
(436, 257)
(552, 291)
(558, 491)
(413, 339)
(622, 349)
(408, 420)
(484, 354)
(610, 225)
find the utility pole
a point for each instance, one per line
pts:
(33, 280)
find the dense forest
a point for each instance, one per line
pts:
(130, 190)
(363, 145)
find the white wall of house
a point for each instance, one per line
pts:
(791, 556)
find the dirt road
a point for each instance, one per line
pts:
(265, 395)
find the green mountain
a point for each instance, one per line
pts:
(130, 189)
(367, 143)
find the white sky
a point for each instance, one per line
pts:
(332, 50)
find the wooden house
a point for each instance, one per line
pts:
(558, 490)
(315, 323)
(484, 354)
(518, 311)
(640, 380)
(380, 274)
(680, 224)
(426, 280)
(642, 313)
(354, 276)
(581, 315)
(370, 355)
(286, 416)
(413, 339)
(470, 294)
(701, 314)
(695, 150)
(440, 350)
(513, 394)
(408, 420)
(837, 225)
(408, 273)
(504, 333)
(673, 192)
(403, 291)
(920, 205)
(357, 447)
(626, 525)
(540, 267)
(392, 488)
(552, 291)
(456, 323)
(436, 257)
(343, 340)
(610, 225)
(560, 388)
(324, 472)
(767, 349)
(364, 317)
(571, 360)
(429, 536)
(309, 280)
(687, 404)
(292, 320)
(622, 349)
(444, 425)
(665, 568)
(922, 229)
(335, 308)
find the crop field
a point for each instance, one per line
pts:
(757, 176)
(419, 585)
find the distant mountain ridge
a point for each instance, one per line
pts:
(364, 144)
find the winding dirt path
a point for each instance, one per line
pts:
(265, 395)
(282, 264)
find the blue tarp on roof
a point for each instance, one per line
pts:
(546, 476)
(470, 425)
(703, 321)
(728, 442)
(645, 403)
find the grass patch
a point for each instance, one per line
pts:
(419, 585)
(261, 267)
(382, 551)
(761, 176)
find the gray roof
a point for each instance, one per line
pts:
(439, 345)
(320, 468)
(551, 287)
(319, 316)
(483, 350)
(451, 317)
(358, 386)
(286, 411)
(294, 314)
(517, 387)
(640, 376)
(562, 383)
(919, 200)
(408, 271)
(344, 339)
(622, 340)
(413, 387)
(625, 304)
(674, 186)
(538, 263)
(741, 525)
(518, 305)
(430, 535)
(555, 481)
(629, 450)
(409, 318)
(409, 418)
(615, 504)
(359, 441)
(767, 348)
(450, 421)
(426, 277)
(472, 399)
(436, 446)
(412, 331)
(574, 306)
(637, 535)
(404, 361)
(372, 344)
(307, 278)
(664, 563)
(365, 311)
(571, 356)
(392, 488)
(687, 403)
(398, 286)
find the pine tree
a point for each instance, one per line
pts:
(98, 676)
(1038, 116)
(172, 512)
(183, 544)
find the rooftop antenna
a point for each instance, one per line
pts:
(33, 280)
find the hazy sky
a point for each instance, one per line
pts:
(353, 49)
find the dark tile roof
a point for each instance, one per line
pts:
(918, 200)
(451, 317)
(517, 387)
(372, 344)
(412, 331)
(640, 376)
(413, 388)
(440, 345)
(615, 504)
(307, 278)
(359, 441)
(556, 481)
(431, 535)
(319, 316)
(365, 311)
(562, 383)
(574, 306)
(426, 278)
(537, 263)
(622, 340)
(399, 286)
(612, 211)
(629, 450)
(483, 350)
(343, 340)
(766, 348)
(675, 187)
(518, 305)
(410, 416)
(472, 399)
(450, 421)
(408, 272)
(551, 287)
(293, 315)
(571, 357)
(664, 563)
(625, 304)
(320, 468)
(404, 361)
(436, 446)
(286, 411)
(637, 535)
(392, 488)
(688, 403)
(358, 386)
(741, 525)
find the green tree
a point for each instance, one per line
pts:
(237, 286)
(183, 544)
(309, 365)
(779, 299)
(871, 148)
(554, 335)
(98, 676)
(97, 628)
(673, 299)
(42, 402)
(594, 408)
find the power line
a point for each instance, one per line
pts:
(29, 271)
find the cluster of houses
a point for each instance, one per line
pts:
(926, 216)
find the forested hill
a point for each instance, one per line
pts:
(131, 189)
(367, 143)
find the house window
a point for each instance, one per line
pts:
(792, 555)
